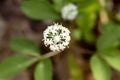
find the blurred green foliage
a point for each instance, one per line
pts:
(106, 56)
(75, 70)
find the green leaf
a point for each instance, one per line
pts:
(58, 4)
(101, 71)
(43, 70)
(39, 10)
(14, 64)
(110, 27)
(110, 38)
(112, 57)
(25, 46)
(107, 40)
(89, 6)
(113, 28)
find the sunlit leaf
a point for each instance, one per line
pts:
(112, 57)
(100, 69)
(89, 6)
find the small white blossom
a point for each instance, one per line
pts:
(69, 12)
(56, 37)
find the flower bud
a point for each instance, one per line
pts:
(69, 12)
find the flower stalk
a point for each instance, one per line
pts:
(49, 54)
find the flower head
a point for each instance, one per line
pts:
(56, 37)
(69, 12)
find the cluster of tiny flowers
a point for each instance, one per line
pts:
(56, 37)
(69, 12)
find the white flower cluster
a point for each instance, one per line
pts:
(69, 12)
(56, 37)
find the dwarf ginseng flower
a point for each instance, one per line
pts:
(69, 12)
(56, 37)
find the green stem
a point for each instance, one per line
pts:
(49, 54)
